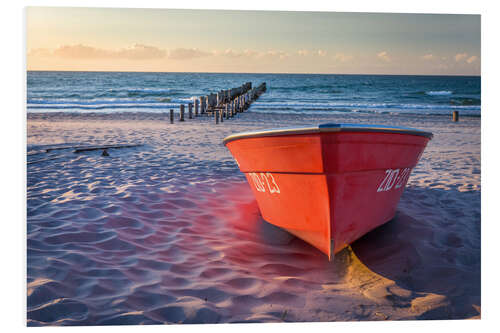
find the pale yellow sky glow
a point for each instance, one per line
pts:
(107, 39)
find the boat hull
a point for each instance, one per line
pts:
(328, 188)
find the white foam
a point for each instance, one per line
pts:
(439, 93)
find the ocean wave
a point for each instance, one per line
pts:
(101, 106)
(439, 92)
(259, 106)
(143, 92)
(323, 88)
(106, 101)
(465, 101)
(299, 104)
(123, 92)
(117, 92)
(468, 113)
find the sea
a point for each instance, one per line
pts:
(110, 92)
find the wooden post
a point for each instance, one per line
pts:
(227, 111)
(216, 115)
(182, 113)
(201, 104)
(190, 107)
(221, 114)
(455, 116)
(196, 104)
(171, 116)
(219, 98)
(212, 100)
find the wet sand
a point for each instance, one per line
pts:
(169, 232)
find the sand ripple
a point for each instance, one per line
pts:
(169, 232)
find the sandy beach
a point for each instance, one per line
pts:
(169, 232)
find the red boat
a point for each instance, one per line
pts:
(329, 184)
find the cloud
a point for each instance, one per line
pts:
(40, 53)
(251, 53)
(184, 54)
(230, 53)
(143, 52)
(471, 59)
(384, 56)
(342, 57)
(276, 54)
(428, 57)
(319, 53)
(233, 54)
(80, 51)
(303, 53)
(237, 54)
(227, 53)
(460, 56)
(140, 51)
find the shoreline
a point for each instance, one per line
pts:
(112, 115)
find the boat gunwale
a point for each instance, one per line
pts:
(325, 128)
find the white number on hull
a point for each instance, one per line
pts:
(261, 179)
(404, 177)
(273, 188)
(394, 178)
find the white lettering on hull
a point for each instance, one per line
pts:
(394, 178)
(260, 180)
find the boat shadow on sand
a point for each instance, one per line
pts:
(431, 255)
(425, 261)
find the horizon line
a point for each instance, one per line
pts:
(278, 73)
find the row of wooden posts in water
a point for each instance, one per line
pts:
(225, 104)
(228, 103)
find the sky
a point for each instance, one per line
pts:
(168, 40)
